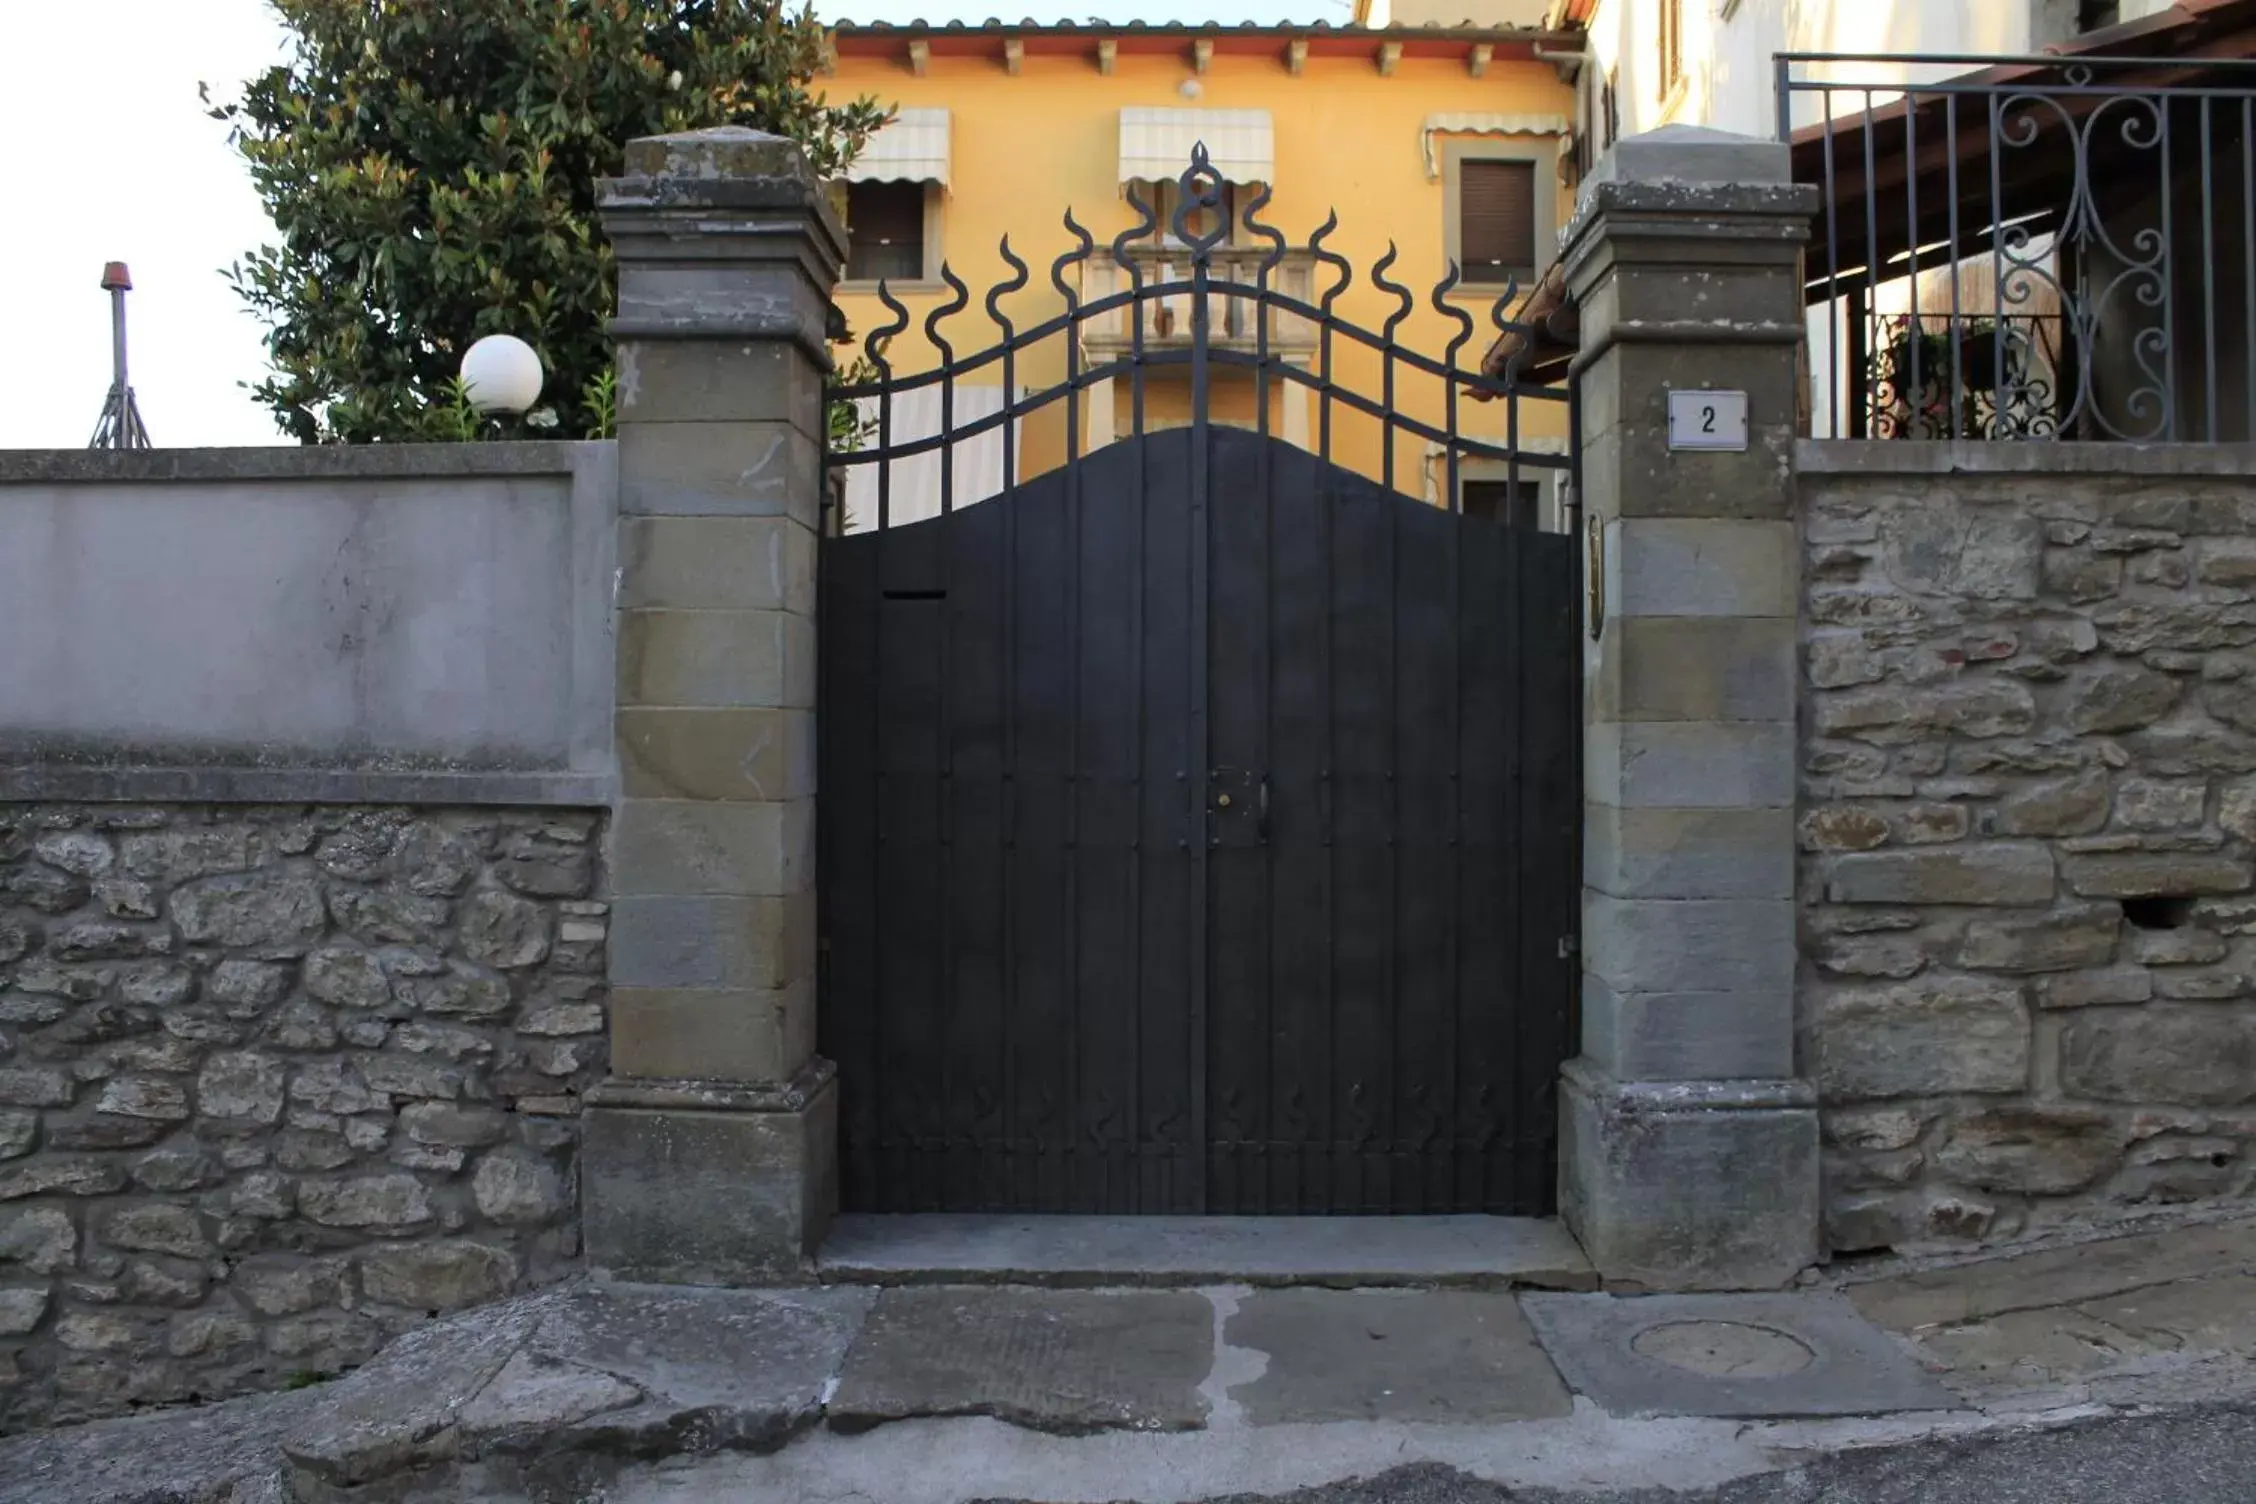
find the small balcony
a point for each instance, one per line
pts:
(1167, 320)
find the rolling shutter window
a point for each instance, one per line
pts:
(885, 232)
(1496, 213)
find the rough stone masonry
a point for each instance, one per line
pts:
(2028, 820)
(277, 1083)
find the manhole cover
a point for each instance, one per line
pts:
(1724, 1349)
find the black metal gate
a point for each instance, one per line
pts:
(1200, 818)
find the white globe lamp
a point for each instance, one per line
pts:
(502, 374)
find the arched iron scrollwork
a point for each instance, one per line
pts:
(2029, 275)
(2024, 367)
(1256, 307)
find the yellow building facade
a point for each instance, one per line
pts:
(1441, 144)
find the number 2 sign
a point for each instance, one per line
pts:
(1707, 420)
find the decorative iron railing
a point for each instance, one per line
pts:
(2073, 239)
(1200, 306)
(1975, 376)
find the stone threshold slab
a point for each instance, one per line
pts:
(1470, 1252)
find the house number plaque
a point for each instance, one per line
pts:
(1707, 420)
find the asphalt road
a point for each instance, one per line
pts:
(2204, 1456)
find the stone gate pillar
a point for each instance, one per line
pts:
(1689, 1148)
(711, 1150)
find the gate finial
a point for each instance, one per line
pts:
(1406, 299)
(959, 300)
(1274, 257)
(1147, 220)
(996, 294)
(1329, 257)
(1449, 310)
(873, 345)
(1198, 189)
(1083, 245)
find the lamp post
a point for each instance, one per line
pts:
(120, 426)
(502, 376)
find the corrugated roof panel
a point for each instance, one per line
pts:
(1155, 144)
(911, 147)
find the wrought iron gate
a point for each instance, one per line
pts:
(1199, 818)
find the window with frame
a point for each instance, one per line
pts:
(1671, 46)
(885, 232)
(1496, 219)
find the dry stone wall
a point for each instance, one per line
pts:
(277, 1083)
(2028, 822)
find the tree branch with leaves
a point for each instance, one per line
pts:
(431, 166)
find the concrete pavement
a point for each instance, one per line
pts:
(2205, 1455)
(940, 1394)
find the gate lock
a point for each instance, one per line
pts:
(1237, 807)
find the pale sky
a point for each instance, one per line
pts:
(119, 163)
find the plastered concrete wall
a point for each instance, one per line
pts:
(412, 622)
(2028, 831)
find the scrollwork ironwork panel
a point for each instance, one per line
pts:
(2035, 248)
(1191, 299)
